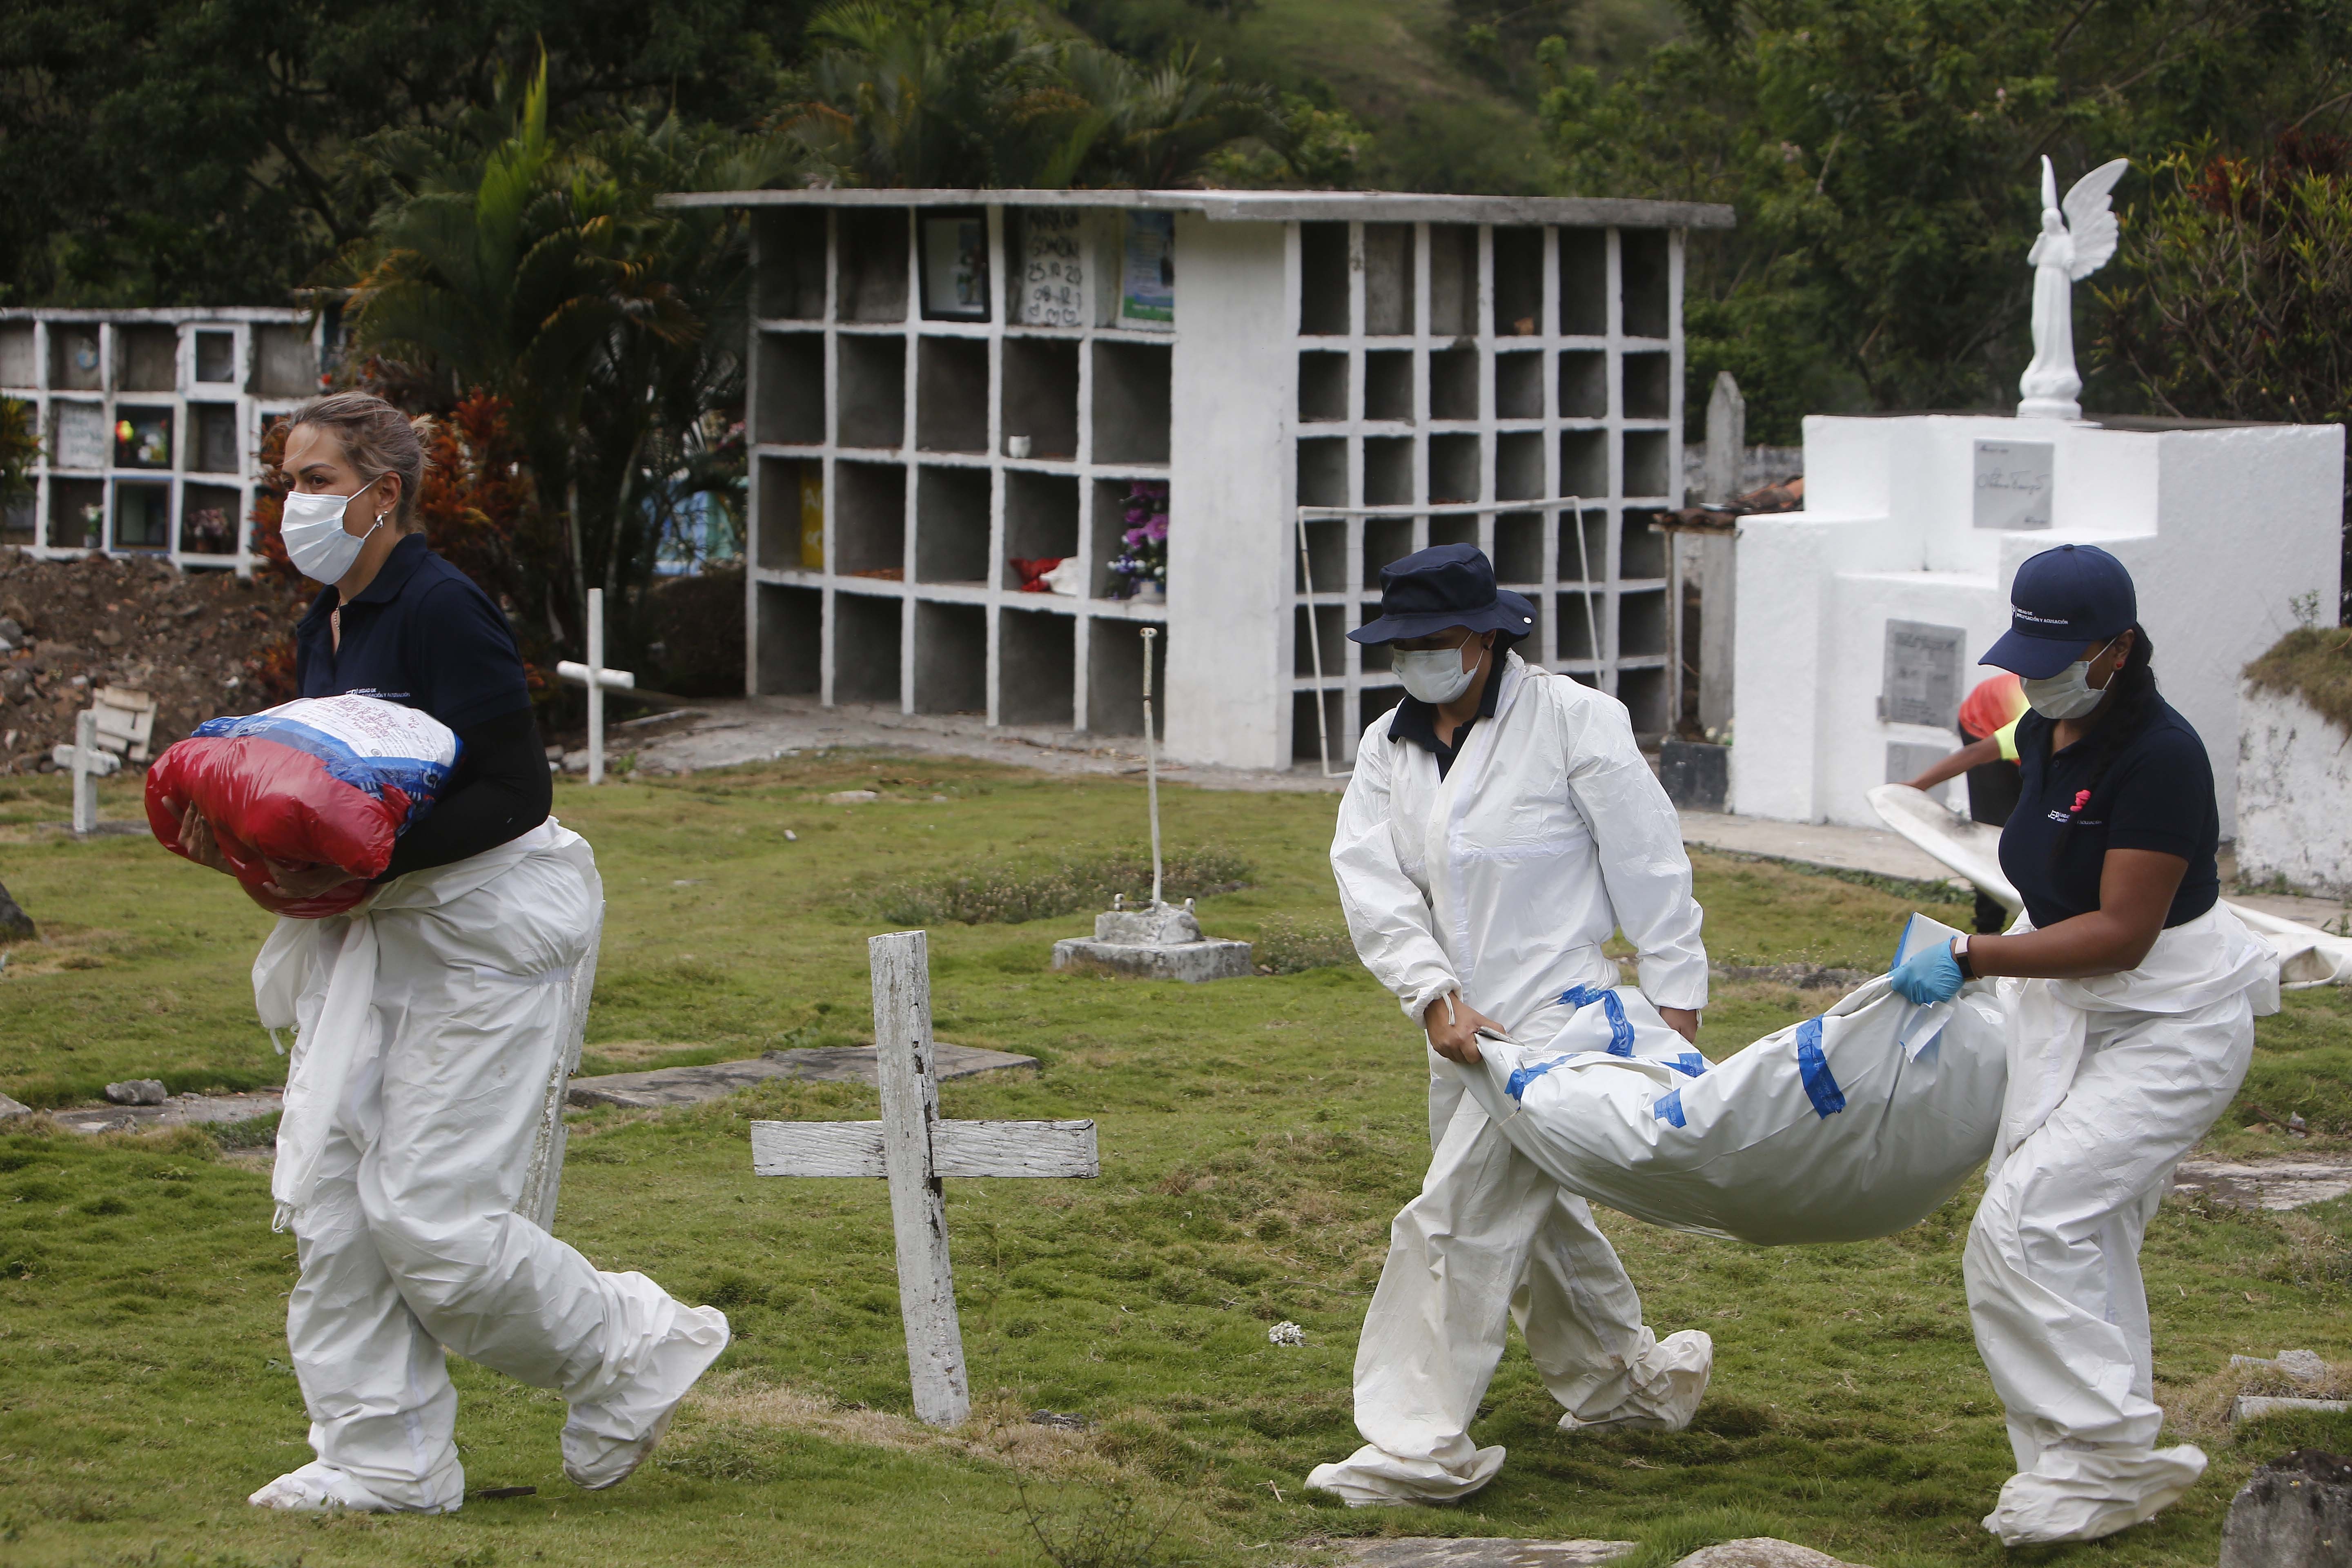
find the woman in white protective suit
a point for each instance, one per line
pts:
(440, 1008)
(2131, 993)
(1499, 825)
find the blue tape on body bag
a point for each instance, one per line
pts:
(1621, 1028)
(1516, 1086)
(1820, 1087)
(1668, 1107)
(1690, 1064)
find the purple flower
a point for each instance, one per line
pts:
(1133, 537)
(1156, 531)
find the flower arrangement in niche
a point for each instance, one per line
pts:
(1142, 563)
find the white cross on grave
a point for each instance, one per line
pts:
(598, 681)
(913, 1149)
(89, 762)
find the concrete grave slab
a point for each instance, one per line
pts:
(2296, 1513)
(2273, 1184)
(1762, 1552)
(824, 1064)
(179, 1111)
(1442, 1552)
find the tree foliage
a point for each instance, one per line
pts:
(1882, 159)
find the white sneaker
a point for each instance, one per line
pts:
(604, 1442)
(319, 1487)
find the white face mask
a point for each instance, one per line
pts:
(312, 530)
(2068, 694)
(1433, 675)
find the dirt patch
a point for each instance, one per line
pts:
(201, 643)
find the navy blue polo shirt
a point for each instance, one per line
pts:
(421, 634)
(2157, 793)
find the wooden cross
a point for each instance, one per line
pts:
(598, 681)
(913, 1149)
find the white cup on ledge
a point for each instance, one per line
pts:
(1016, 446)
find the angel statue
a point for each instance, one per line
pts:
(2072, 245)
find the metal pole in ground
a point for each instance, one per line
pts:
(84, 773)
(596, 686)
(1151, 761)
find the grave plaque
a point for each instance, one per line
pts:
(2012, 484)
(1923, 675)
(1907, 760)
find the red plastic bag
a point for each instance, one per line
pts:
(322, 781)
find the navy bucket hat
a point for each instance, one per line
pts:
(1445, 585)
(2063, 601)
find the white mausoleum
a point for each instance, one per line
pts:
(943, 383)
(1860, 619)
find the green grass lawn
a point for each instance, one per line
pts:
(1256, 1137)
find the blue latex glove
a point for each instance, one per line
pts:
(1931, 974)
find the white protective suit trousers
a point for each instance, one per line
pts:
(2051, 1264)
(406, 1232)
(1492, 1240)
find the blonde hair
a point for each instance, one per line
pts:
(377, 439)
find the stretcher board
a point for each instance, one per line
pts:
(2307, 955)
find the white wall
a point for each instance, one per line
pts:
(2294, 795)
(1230, 548)
(2220, 529)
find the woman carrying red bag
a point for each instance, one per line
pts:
(429, 1023)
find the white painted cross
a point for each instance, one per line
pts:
(913, 1149)
(598, 681)
(89, 762)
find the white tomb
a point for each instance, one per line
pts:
(1861, 618)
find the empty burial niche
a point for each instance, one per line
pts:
(792, 629)
(1641, 551)
(791, 277)
(1644, 693)
(1584, 549)
(1388, 471)
(1306, 735)
(1041, 520)
(1518, 282)
(1640, 623)
(873, 392)
(151, 358)
(1375, 702)
(1642, 262)
(1330, 625)
(215, 358)
(1583, 283)
(1322, 386)
(212, 444)
(951, 525)
(872, 280)
(1649, 462)
(1454, 383)
(286, 362)
(1388, 279)
(1373, 656)
(1452, 280)
(1322, 280)
(869, 521)
(1453, 468)
(19, 364)
(782, 516)
(1519, 548)
(1649, 386)
(1326, 553)
(1584, 462)
(950, 659)
(1519, 387)
(1583, 383)
(1462, 528)
(1323, 471)
(790, 410)
(1115, 678)
(866, 647)
(1131, 402)
(1388, 383)
(1579, 617)
(1386, 539)
(951, 394)
(1518, 465)
(1041, 396)
(1036, 680)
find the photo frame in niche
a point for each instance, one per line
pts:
(954, 264)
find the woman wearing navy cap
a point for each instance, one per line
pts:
(2132, 993)
(1499, 827)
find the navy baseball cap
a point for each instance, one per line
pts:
(2063, 601)
(1444, 585)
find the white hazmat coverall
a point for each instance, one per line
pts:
(1502, 881)
(430, 1023)
(2111, 1081)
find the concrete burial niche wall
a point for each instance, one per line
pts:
(1861, 618)
(2294, 793)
